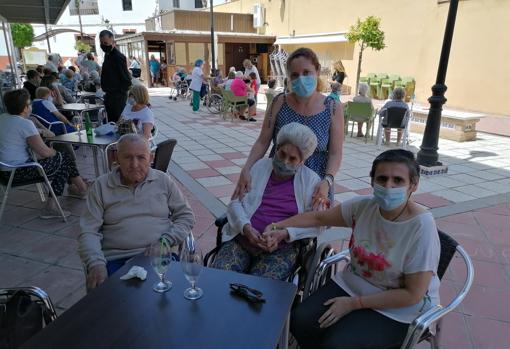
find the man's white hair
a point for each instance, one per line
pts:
(300, 136)
(132, 138)
(363, 89)
(239, 74)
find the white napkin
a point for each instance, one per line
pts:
(135, 272)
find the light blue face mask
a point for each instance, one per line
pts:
(131, 101)
(390, 198)
(304, 86)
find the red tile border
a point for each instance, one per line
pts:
(219, 163)
(206, 172)
(232, 156)
(431, 200)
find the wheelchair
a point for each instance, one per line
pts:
(309, 257)
(180, 89)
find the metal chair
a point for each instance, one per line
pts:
(163, 154)
(52, 126)
(394, 117)
(12, 182)
(361, 112)
(231, 102)
(44, 318)
(418, 330)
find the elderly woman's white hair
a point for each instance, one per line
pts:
(398, 93)
(300, 136)
(239, 74)
(363, 89)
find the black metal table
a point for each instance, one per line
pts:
(129, 314)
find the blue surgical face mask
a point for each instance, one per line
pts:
(131, 101)
(390, 198)
(282, 169)
(304, 86)
(50, 99)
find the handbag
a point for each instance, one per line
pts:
(125, 127)
(20, 319)
(106, 129)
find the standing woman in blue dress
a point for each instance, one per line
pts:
(306, 105)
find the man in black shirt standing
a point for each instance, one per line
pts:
(115, 77)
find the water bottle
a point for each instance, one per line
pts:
(88, 126)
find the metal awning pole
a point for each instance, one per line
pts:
(10, 51)
(46, 20)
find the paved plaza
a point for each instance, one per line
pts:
(471, 202)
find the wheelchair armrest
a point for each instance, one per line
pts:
(324, 266)
(221, 221)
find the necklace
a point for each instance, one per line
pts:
(402, 211)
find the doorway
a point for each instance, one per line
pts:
(235, 54)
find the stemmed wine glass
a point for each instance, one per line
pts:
(191, 262)
(161, 256)
(77, 124)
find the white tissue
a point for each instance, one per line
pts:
(135, 272)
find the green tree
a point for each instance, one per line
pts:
(367, 34)
(22, 34)
(80, 45)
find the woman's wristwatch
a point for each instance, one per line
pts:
(330, 179)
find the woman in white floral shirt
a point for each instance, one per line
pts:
(391, 278)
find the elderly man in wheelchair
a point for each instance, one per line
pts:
(282, 187)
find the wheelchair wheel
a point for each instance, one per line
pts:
(215, 104)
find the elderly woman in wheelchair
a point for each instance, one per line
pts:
(392, 275)
(282, 187)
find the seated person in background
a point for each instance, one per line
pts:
(68, 80)
(397, 101)
(43, 106)
(40, 70)
(18, 135)
(271, 84)
(66, 93)
(128, 209)
(32, 83)
(217, 83)
(282, 187)
(335, 91)
(137, 109)
(391, 278)
(228, 83)
(362, 98)
(49, 81)
(77, 76)
(240, 88)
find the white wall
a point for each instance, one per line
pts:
(183, 4)
(92, 24)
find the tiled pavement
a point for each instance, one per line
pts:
(471, 203)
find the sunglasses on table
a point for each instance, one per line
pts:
(250, 294)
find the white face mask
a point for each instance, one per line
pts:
(131, 101)
(50, 98)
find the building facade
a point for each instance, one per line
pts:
(477, 72)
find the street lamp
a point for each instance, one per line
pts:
(427, 156)
(213, 53)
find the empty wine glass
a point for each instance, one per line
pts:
(77, 124)
(161, 256)
(191, 262)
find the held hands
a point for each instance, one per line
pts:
(268, 241)
(96, 276)
(320, 196)
(339, 307)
